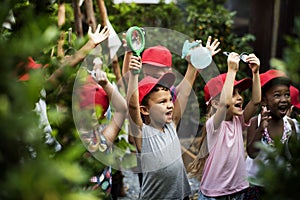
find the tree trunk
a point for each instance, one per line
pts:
(78, 20)
(60, 22)
(103, 13)
(115, 62)
(90, 14)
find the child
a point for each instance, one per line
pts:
(271, 124)
(294, 112)
(156, 61)
(224, 174)
(154, 120)
(99, 137)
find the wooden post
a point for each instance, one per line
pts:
(115, 62)
(61, 19)
(78, 20)
(90, 14)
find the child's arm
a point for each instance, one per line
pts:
(252, 106)
(94, 39)
(118, 102)
(184, 88)
(183, 91)
(254, 132)
(227, 90)
(135, 118)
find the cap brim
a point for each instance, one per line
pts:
(148, 83)
(167, 80)
(154, 63)
(243, 84)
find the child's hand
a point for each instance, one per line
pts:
(254, 63)
(97, 37)
(97, 64)
(265, 117)
(124, 40)
(100, 77)
(212, 47)
(233, 61)
(135, 63)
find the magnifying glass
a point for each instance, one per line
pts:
(135, 39)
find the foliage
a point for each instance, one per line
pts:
(281, 182)
(30, 168)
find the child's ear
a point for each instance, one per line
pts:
(144, 110)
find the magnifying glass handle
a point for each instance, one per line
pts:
(136, 71)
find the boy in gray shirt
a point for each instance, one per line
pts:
(154, 119)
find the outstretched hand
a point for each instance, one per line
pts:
(135, 63)
(254, 63)
(212, 47)
(233, 61)
(265, 117)
(100, 77)
(98, 36)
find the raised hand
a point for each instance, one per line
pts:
(98, 37)
(97, 64)
(265, 117)
(135, 63)
(254, 63)
(233, 61)
(100, 77)
(212, 47)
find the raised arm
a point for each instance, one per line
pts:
(227, 90)
(117, 101)
(183, 91)
(254, 65)
(135, 119)
(184, 88)
(94, 39)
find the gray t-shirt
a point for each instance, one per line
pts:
(164, 174)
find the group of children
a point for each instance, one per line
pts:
(154, 107)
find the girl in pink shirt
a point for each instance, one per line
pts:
(224, 172)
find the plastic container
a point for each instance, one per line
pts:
(200, 57)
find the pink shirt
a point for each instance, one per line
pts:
(225, 169)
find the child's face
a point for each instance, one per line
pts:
(160, 106)
(278, 100)
(236, 106)
(155, 72)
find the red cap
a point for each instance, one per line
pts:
(294, 92)
(148, 83)
(270, 75)
(158, 55)
(214, 86)
(31, 64)
(92, 94)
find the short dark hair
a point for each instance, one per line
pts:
(276, 81)
(155, 89)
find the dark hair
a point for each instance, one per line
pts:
(276, 81)
(155, 89)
